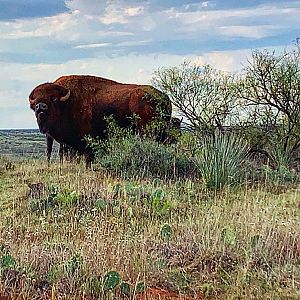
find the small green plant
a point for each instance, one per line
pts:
(256, 241)
(228, 236)
(140, 287)
(165, 232)
(6, 165)
(280, 175)
(94, 286)
(158, 203)
(53, 274)
(74, 264)
(111, 280)
(67, 198)
(126, 288)
(53, 190)
(7, 261)
(101, 204)
(41, 205)
(281, 157)
(56, 197)
(207, 288)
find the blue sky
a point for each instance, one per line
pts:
(127, 40)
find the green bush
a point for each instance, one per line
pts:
(133, 155)
(279, 176)
(219, 159)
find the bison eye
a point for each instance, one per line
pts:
(55, 99)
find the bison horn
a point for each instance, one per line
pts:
(66, 97)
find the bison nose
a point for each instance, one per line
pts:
(41, 117)
(41, 107)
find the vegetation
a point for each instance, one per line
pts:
(215, 215)
(200, 94)
(70, 233)
(219, 160)
(270, 88)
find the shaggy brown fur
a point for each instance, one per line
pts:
(91, 100)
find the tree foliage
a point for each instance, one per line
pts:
(203, 96)
(270, 88)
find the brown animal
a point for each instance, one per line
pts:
(75, 106)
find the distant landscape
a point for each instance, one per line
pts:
(23, 143)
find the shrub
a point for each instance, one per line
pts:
(133, 155)
(270, 89)
(128, 154)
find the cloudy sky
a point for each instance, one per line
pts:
(126, 40)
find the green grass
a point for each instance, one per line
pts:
(66, 227)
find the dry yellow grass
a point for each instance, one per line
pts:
(235, 244)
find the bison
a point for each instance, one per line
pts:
(75, 106)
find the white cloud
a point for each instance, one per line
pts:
(88, 7)
(120, 68)
(105, 7)
(205, 3)
(98, 22)
(9, 98)
(110, 33)
(235, 22)
(93, 46)
(229, 61)
(117, 13)
(66, 27)
(121, 44)
(61, 25)
(134, 11)
(254, 32)
(134, 43)
(232, 61)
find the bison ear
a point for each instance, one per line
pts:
(65, 97)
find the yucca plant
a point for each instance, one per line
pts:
(219, 159)
(281, 157)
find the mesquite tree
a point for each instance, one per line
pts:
(201, 95)
(271, 89)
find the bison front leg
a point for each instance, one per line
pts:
(61, 153)
(49, 147)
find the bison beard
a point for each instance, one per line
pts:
(76, 106)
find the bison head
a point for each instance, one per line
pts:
(47, 101)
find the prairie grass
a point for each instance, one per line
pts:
(62, 228)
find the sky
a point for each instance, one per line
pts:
(127, 40)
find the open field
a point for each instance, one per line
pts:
(23, 143)
(62, 228)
